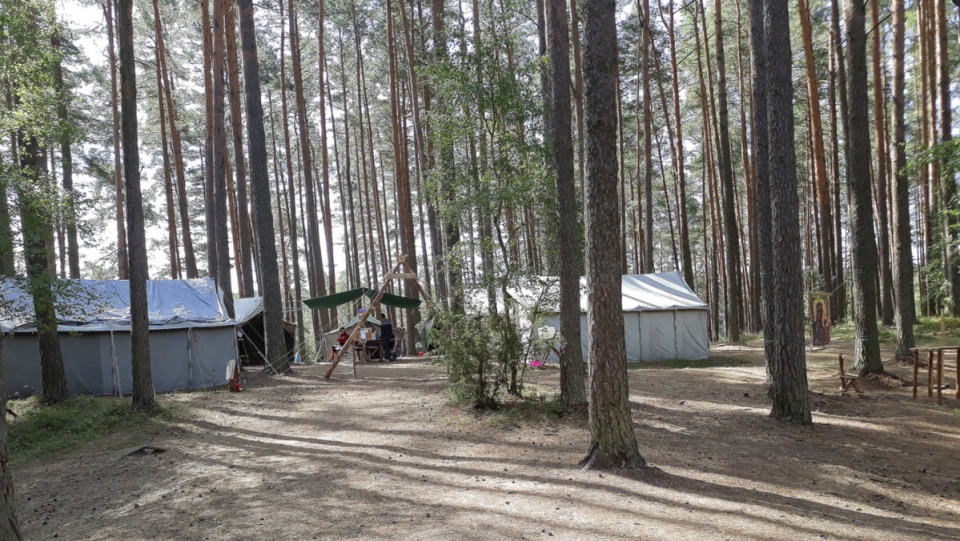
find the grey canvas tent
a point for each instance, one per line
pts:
(663, 318)
(251, 344)
(191, 337)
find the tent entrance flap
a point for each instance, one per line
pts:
(335, 300)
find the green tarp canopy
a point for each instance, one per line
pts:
(335, 300)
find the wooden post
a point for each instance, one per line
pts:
(916, 369)
(930, 374)
(940, 376)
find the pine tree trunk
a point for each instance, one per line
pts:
(314, 260)
(9, 525)
(325, 157)
(840, 87)
(578, 87)
(613, 443)
(243, 256)
(277, 177)
(276, 348)
(291, 193)
(761, 171)
(825, 246)
(572, 373)
(6, 234)
(647, 259)
(35, 226)
(732, 244)
(109, 12)
(788, 366)
(451, 225)
(836, 255)
(143, 393)
(189, 258)
(209, 189)
(866, 345)
(220, 161)
(402, 179)
(66, 159)
(165, 151)
(948, 195)
(903, 245)
(685, 251)
(882, 181)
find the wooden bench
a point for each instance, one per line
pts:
(848, 381)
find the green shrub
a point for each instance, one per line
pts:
(482, 354)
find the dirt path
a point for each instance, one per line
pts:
(385, 457)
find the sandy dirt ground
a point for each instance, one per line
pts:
(387, 457)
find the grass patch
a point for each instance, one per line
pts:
(536, 407)
(713, 362)
(40, 431)
(926, 330)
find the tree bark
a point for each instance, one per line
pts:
(276, 349)
(578, 87)
(761, 170)
(612, 440)
(732, 246)
(66, 160)
(209, 189)
(646, 261)
(788, 366)
(819, 159)
(165, 151)
(840, 86)
(882, 181)
(220, 159)
(402, 179)
(685, 253)
(109, 13)
(244, 256)
(291, 193)
(451, 225)
(314, 259)
(9, 524)
(143, 393)
(903, 245)
(866, 343)
(35, 226)
(948, 187)
(572, 373)
(189, 258)
(325, 156)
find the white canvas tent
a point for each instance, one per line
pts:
(191, 336)
(663, 318)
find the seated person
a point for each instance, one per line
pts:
(341, 340)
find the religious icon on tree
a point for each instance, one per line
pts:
(820, 318)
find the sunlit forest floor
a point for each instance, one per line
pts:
(387, 456)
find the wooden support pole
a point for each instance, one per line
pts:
(940, 376)
(916, 369)
(930, 374)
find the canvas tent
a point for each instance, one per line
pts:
(251, 344)
(663, 318)
(191, 336)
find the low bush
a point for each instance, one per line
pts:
(482, 355)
